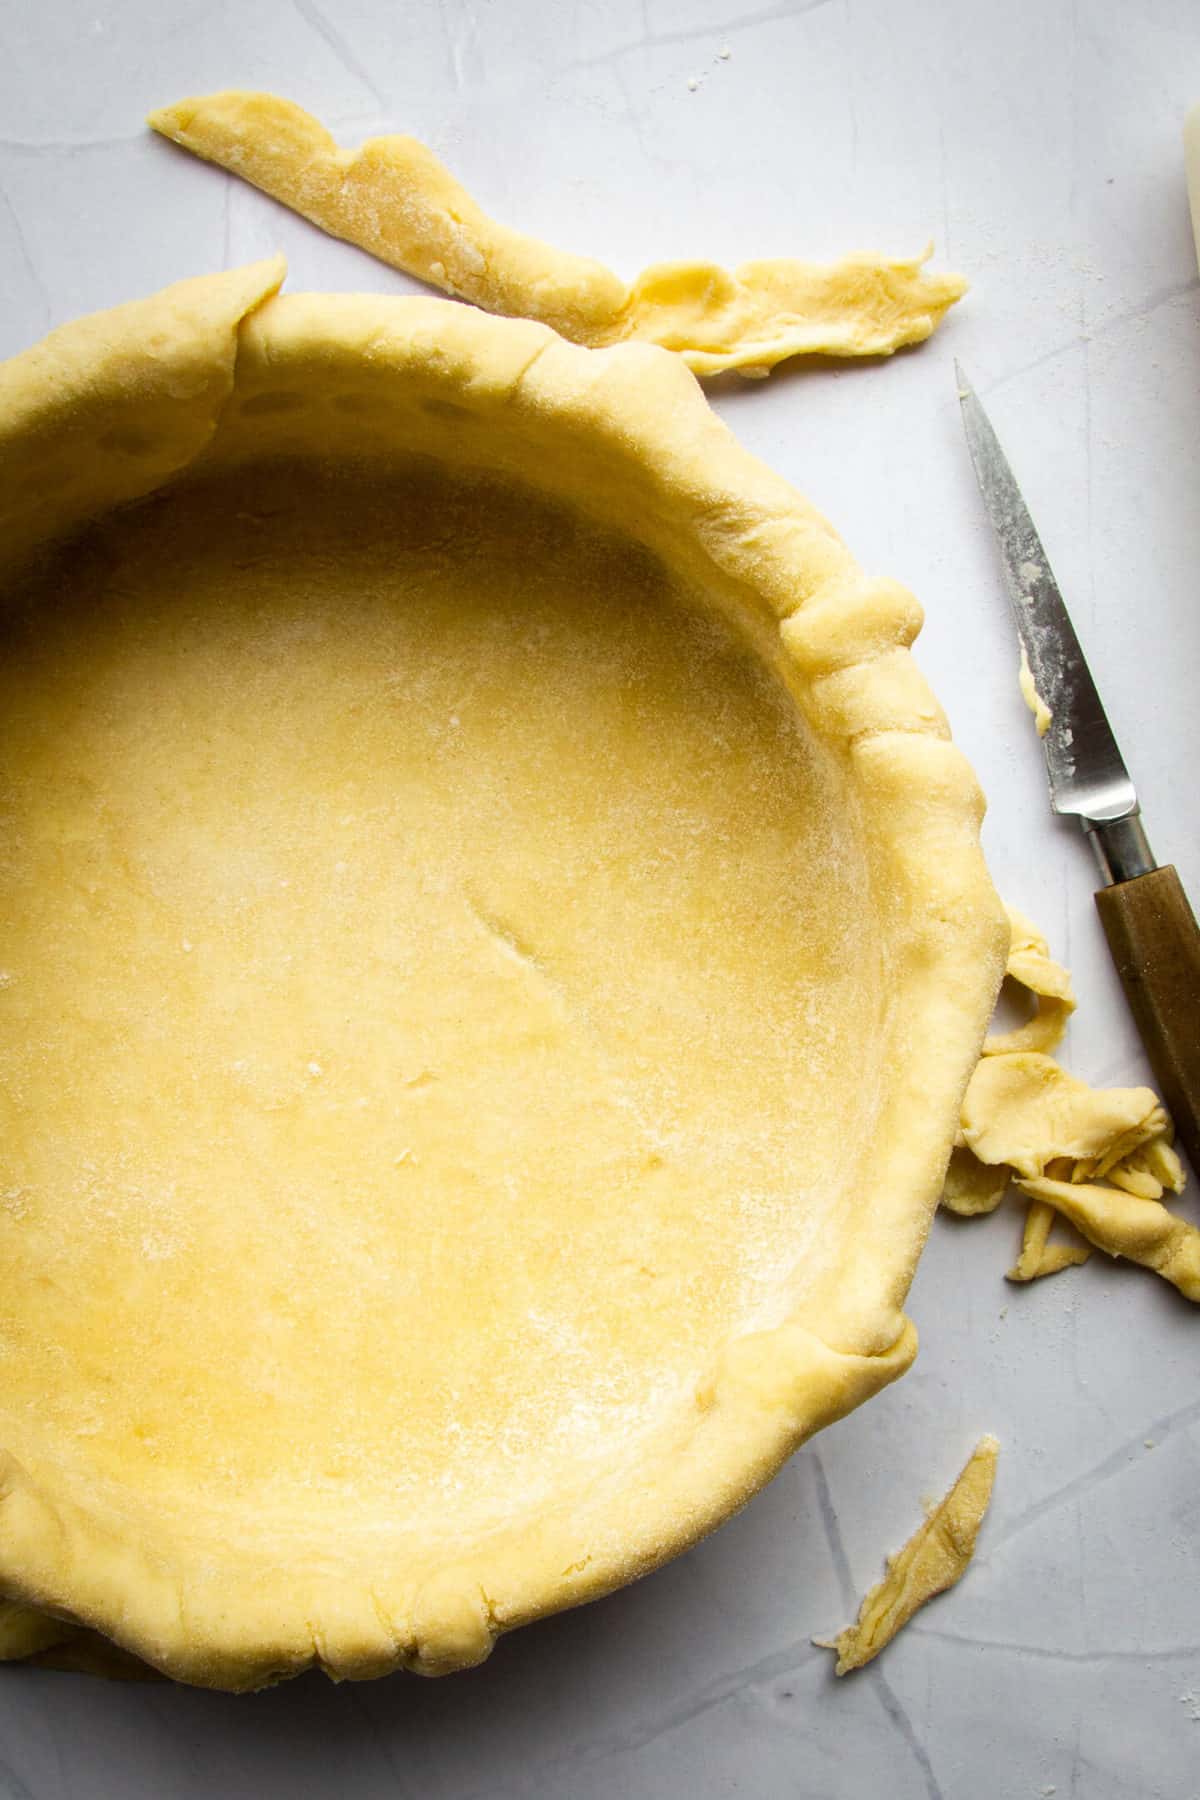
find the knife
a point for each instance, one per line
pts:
(1147, 920)
(1191, 160)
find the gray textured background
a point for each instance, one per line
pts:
(1038, 141)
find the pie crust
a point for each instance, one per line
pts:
(496, 940)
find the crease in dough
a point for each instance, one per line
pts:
(26, 1632)
(393, 198)
(1024, 1117)
(934, 1559)
(46, 1642)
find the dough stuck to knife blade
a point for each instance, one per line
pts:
(1042, 715)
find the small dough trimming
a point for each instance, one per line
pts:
(934, 1559)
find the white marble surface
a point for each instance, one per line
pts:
(1039, 142)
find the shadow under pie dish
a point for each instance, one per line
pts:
(494, 942)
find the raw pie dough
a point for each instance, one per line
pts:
(935, 1558)
(1024, 1116)
(393, 198)
(495, 943)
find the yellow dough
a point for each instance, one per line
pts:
(1031, 967)
(453, 1003)
(1023, 1109)
(1025, 1116)
(1042, 715)
(934, 1559)
(25, 1632)
(1149, 1169)
(495, 942)
(30, 1636)
(1122, 1225)
(1040, 1257)
(972, 1187)
(393, 198)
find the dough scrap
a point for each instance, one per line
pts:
(1038, 1256)
(1024, 1116)
(934, 1559)
(973, 1187)
(395, 199)
(1024, 1109)
(1117, 1154)
(1031, 967)
(1143, 1231)
(1149, 1171)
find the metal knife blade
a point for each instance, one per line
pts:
(1085, 768)
(1151, 929)
(1191, 152)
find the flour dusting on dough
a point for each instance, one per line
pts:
(934, 1559)
(395, 199)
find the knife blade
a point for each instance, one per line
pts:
(1147, 920)
(1086, 771)
(1191, 158)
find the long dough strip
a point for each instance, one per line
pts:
(934, 1558)
(393, 198)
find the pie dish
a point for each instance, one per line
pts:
(495, 943)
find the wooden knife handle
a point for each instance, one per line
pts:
(1155, 944)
